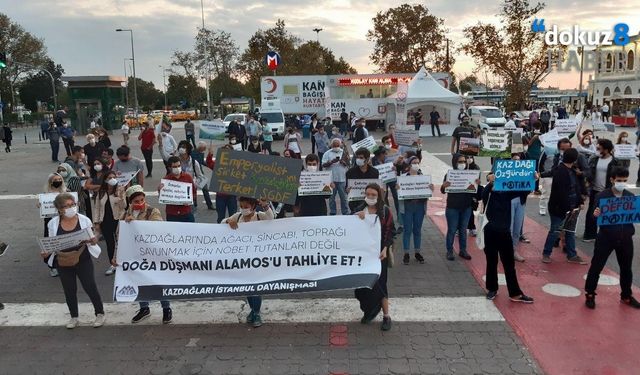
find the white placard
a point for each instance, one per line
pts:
(47, 209)
(565, 126)
(462, 181)
(65, 241)
(387, 172)
(315, 183)
(237, 147)
(406, 137)
(550, 141)
(414, 187)
(357, 188)
(625, 152)
(175, 193)
(125, 177)
(369, 143)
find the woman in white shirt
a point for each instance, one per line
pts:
(293, 143)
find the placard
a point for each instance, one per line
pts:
(237, 147)
(245, 174)
(357, 188)
(469, 146)
(369, 143)
(625, 152)
(462, 181)
(514, 175)
(406, 137)
(47, 209)
(516, 142)
(566, 126)
(65, 241)
(495, 143)
(212, 130)
(414, 187)
(315, 183)
(175, 193)
(550, 141)
(125, 177)
(619, 210)
(387, 172)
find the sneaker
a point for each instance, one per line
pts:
(464, 255)
(211, 208)
(386, 323)
(588, 240)
(473, 233)
(577, 260)
(110, 271)
(167, 316)
(524, 239)
(406, 258)
(53, 272)
(450, 255)
(522, 299)
(590, 301)
(546, 259)
(147, 176)
(543, 213)
(73, 323)
(365, 319)
(99, 322)
(631, 302)
(518, 258)
(491, 295)
(257, 320)
(250, 318)
(419, 258)
(141, 315)
(3, 247)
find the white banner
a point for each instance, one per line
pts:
(625, 152)
(369, 143)
(212, 130)
(175, 192)
(414, 187)
(406, 137)
(566, 126)
(550, 141)
(164, 261)
(125, 177)
(387, 172)
(315, 183)
(462, 181)
(47, 209)
(65, 241)
(357, 188)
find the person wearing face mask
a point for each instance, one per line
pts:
(267, 136)
(322, 141)
(534, 149)
(167, 144)
(248, 214)
(55, 184)
(311, 205)
(362, 170)
(92, 150)
(465, 130)
(128, 164)
(374, 299)
(238, 132)
(459, 209)
(623, 139)
(97, 173)
(618, 238)
(53, 133)
(147, 138)
(199, 156)
(413, 215)
(190, 132)
(74, 184)
(180, 213)
(337, 160)
(254, 145)
(293, 143)
(518, 212)
(108, 205)
(586, 146)
(69, 221)
(68, 133)
(193, 168)
(124, 129)
(471, 164)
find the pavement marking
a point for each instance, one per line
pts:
(561, 290)
(319, 310)
(605, 280)
(192, 342)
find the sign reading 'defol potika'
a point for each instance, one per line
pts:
(515, 175)
(47, 209)
(315, 183)
(175, 192)
(259, 176)
(414, 187)
(387, 172)
(357, 188)
(619, 210)
(462, 181)
(625, 152)
(164, 261)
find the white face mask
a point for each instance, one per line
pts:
(587, 141)
(415, 167)
(233, 142)
(97, 168)
(92, 141)
(176, 171)
(624, 139)
(461, 166)
(620, 186)
(371, 201)
(182, 151)
(112, 182)
(312, 168)
(336, 149)
(246, 211)
(360, 162)
(387, 146)
(70, 212)
(63, 174)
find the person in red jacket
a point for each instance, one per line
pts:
(179, 213)
(147, 140)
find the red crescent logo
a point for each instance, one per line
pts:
(273, 83)
(445, 82)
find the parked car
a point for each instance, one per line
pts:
(485, 117)
(237, 117)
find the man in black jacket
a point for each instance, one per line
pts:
(610, 238)
(567, 190)
(239, 131)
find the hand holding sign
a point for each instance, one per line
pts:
(175, 193)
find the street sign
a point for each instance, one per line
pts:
(272, 59)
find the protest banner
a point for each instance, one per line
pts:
(550, 141)
(165, 261)
(64, 241)
(514, 175)
(357, 188)
(387, 172)
(369, 143)
(469, 146)
(125, 177)
(516, 142)
(406, 137)
(462, 181)
(47, 209)
(619, 210)
(598, 126)
(237, 147)
(414, 187)
(212, 130)
(315, 183)
(495, 143)
(625, 152)
(566, 126)
(259, 176)
(175, 192)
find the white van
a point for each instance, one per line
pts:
(272, 113)
(485, 117)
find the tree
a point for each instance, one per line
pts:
(184, 89)
(468, 83)
(148, 96)
(225, 86)
(37, 87)
(186, 61)
(512, 52)
(408, 38)
(221, 50)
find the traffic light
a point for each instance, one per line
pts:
(3, 60)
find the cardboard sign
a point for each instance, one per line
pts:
(387, 172)
(65, 241)
(175, 192)
(414, 187)
(495, 143)
(125, 177)
(625, 152)
(237, 147)
(315, 183)
(469, 146)
(212, 130)
(357, 188)
(47, 209)
(462, 181)
(566, 126)
(259, 176)
(619, 210)
(406, 137)
(515, 175)
(550, 141)
(369, 143)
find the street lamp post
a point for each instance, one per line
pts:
(317, 30)
(206, 59)
(126, 91)
(133, 59)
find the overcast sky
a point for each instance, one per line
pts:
(79, 34)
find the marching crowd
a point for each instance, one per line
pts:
(566, 180)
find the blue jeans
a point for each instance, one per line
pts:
(192, 138)
(344, 207)
(569, 237)
(255, 302)
(226, 203)
(517, 219)
(413, 217)
(394, 193)
(164, 304)
(457, 221)
(55, 149)
(188, 218)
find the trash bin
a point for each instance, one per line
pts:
(305, 131)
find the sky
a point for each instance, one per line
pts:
(80, 34)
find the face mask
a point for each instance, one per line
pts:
(336, 149)
(587, 142)
(138, 207)
(92, 142)
(254, 143)
(56, 184)
(623, 139)
(360, 162)
(65, 125)
(112, 182)
(387, 146)
(63, 174)
(461, 166)
(233, 141)
(415, 167)
(312, 168)
(176, 170)
(371, 201)
(246, 211)
(619, 186)
(470, 161)
(97, 168)
(182, 151)
(70, 212)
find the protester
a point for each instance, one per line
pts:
(417, 120)
(461, 116)
(362, 170)
(108, 205)
(254, 145)
(434, 121)
(465, 130)
(226, 204)
(75, 262)
(98, 170)
(198, 156)
(7, 137)
(128, 164)
(344, 122)
(545, 120)
(92, 150)
(311, 205)
(103, 138)
(68, 134)
(179, 213)
(413, 216)
(321, 140)
(293, 143)
(107, 158)
(380, 156)
(337, 161)
(618, 238)
(190, 166)
(55, 184)
(372, 300)
(360, 132)
(76, 160)
(239, 132)
(586, 147)
(253, 128)
(605, 112)
(190, 132)
(54, 141)
(392, 132)
(147, 139)
(125, 132)
(471, 227)
(167, 145)
(74, 184)
(534, 149)
(267, 136)
(248, 214)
